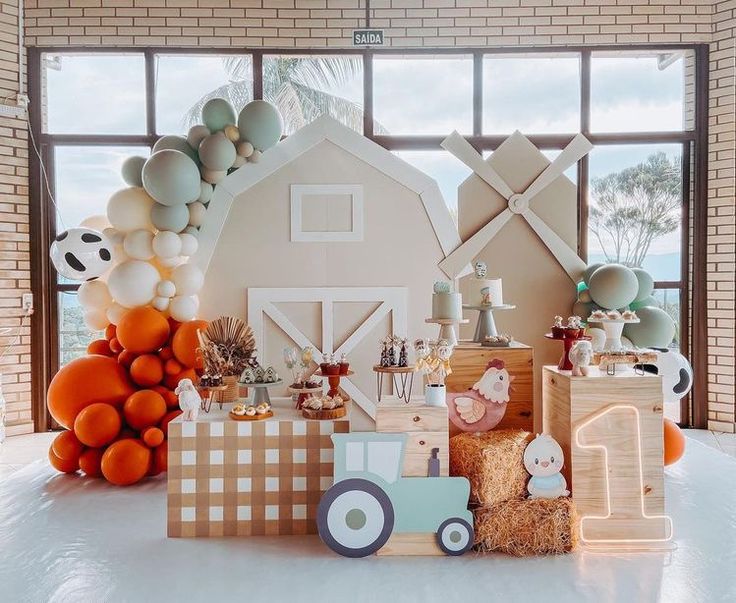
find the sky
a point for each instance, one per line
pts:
(104, 94)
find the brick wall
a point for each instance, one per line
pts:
(429, 23)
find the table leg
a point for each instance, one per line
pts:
(379, 385)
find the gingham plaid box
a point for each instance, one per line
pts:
(237, 478)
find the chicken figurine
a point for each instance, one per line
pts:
(543, 459)
(189, 399)
(482, 407)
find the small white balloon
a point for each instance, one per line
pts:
(130, 209)
(197, 213)
(170, 262)
(206, 192)
(115, 236)
(598, 339)
(166, 244)
(115, 313)
(138, 244)
(133, 283)
(98, 222)
(196, 135)
(160, 303)
(245, 149)
(189, 244)
(94, 295)
(212, 176)
(96, 320)
(192, 230)
(255, 156)
(239, 161)
(188, 279)
(183, 307)
(166, 288)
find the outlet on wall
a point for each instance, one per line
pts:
(27, 303)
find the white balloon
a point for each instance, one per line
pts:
(188, 279)
(130, 209)
(114, 235)
(626, 342)
(255, 156)
(245, 149)
(196, 135)
(96, 320)
(166, 244)
(189, 244)
(212, 176)
(184, 307)
(598, 338)
(206, 190)
(197, 213)
(133, 283)
(239, 161)
(97, 222)
(160, 303)
(82, 254)
(170, 262)
(166, 289)
(192, 230)
(115, 313)
(138, 244)
(94, 295)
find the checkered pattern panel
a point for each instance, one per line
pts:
(238, 478)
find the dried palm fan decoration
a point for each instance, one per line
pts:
(228, 346)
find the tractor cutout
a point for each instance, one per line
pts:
(369, 499)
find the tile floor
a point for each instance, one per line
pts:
(18, 451)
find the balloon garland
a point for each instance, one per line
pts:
(140, 288)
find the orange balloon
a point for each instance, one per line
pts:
(161, 458)
(674, 442)
(147, 370)
(185, 343)
(126, 433)
(97, 424)
(62, 465)
(173, 325)
(165, 353)
(67, 447)
(110, 332)
(125, 462)
(115, 346)
(168, 418)
(171, 399)
(142, 330)
(84, 381)
(173, 367)
(89, 462)
(126, 358)
(152, 436)
(144, 409)
(99, 346)
(171, 381)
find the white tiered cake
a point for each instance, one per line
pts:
(446, 305)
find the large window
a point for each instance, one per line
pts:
(637, 106)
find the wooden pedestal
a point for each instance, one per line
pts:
(610, 429)
(469, 362)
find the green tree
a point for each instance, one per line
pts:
(296, 85)
(633, 207)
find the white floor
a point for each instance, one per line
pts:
(65, 538)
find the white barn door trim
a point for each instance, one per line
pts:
(392, 300)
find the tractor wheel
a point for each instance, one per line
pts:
(455, 536)
(355, 518)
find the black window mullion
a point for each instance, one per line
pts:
(368, 94)
(477, 94)
(151, 68)
(257, 58)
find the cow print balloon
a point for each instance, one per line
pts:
(81, 254)
(676, 373)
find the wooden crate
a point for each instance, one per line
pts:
(469, 362)
(610, 429)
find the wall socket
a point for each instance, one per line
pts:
(27, 303)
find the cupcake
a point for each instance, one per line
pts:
(558, 331)
(239, 410)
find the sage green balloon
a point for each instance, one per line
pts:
(131, 170)
(589, 272)
(646, 284)
(260, 124)
(218, 113)
(655, 328)
(171, 177)
(170, 217)
(647, 301)
(216, 152)
(613, 286)
(177, 143)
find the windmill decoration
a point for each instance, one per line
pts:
(455, 263)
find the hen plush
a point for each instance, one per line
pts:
(482, 407)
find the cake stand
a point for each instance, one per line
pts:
(613, 328)
(303, 394)
(405, 376)
(567, 342)
(486, 326)
(260, 391)
(447, 328)
(334, 382)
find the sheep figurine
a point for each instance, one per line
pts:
(581, 355)
(189, 399)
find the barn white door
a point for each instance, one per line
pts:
(392, 301)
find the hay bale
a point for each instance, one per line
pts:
(528, 527)
(493, 462)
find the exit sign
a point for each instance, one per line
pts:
(367, 37)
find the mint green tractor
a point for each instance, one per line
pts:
(369, 499)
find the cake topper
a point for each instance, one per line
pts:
(442, 287)
(481, 269)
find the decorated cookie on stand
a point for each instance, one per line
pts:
(396, 366)
(543, 460)
(300, 363)
(324, 408)
(485, 296)
(483, 406)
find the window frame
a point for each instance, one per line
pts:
(693, 334)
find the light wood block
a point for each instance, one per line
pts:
(411, 544)
(610, 429)
(469, 362)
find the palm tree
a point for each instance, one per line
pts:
(296, 85)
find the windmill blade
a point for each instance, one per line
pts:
(567, 258)
(454, 263)
(465, 152)
(578, 147)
